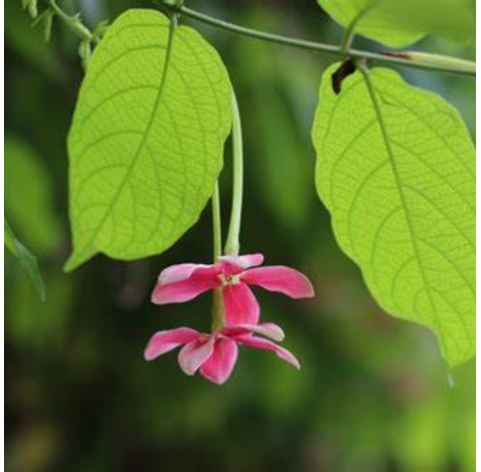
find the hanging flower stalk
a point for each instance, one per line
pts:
(236, 312)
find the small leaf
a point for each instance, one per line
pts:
(399, 182)
(26, 259)
(100, 29)
(147, 138)
(399, 23)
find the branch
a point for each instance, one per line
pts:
(442, 64)
(73, 22)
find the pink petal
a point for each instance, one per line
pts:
(269, 330)
(179, 272)
(265, 344)
(280, 279)
(195, 353)
(220, 365)
(240, 305)
(183, 282)
(236, 264)
(165, 341)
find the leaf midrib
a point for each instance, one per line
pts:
(372, 94)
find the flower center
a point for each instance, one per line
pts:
(227, 280)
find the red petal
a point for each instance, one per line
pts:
(220, 365)
(165, 341)
(183, 282)
(280, 279)
(194, 354)
(265, 344)
(240, 305)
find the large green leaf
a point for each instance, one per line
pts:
(29, 198)
(147, 138)
(399, 181)
(399, 23)
(26, 259)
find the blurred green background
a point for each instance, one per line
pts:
(373, 394)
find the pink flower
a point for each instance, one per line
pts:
(215, 354)
(234, 274)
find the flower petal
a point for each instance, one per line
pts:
(235, 264)
(179, 272)
(240, 305)
(183, 282)
(220, 365)
(280, 279)
(165, 341)
(265, 344)
(195, 353)
(269, 330)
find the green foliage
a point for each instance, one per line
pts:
(28, 42)
(370, 385)
(26, 259)
(396, 169)
(147, 138)
(29, 198)
(31, 6)
(399, 23)
(45, 23)
(39, 326)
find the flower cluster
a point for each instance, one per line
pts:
(215, 354)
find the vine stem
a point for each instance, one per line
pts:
(218, 316)
(216, 223)
(448, 64)
(73, 22)
(350, 31)
(232, 245)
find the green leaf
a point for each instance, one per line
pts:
(399, 181)
(147, 138)
(399, 23)
(26, 259)
(29, 198)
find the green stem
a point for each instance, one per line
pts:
(347, 40)
(427, 58)
(218, 317)
(350, 33)
(380, 58)
(216, 224)
(73, 22)
(218, 314)
(232, 246)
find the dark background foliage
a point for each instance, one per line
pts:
(373, 394)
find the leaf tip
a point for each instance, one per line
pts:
(77, 259)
